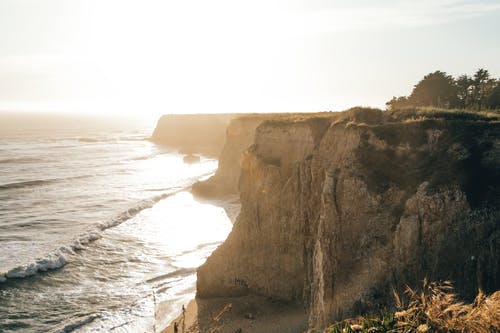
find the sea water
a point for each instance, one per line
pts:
(98, 231)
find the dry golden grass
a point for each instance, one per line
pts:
(436, 308)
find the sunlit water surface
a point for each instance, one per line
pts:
(93, 221)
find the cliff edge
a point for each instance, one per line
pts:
(337, 209)
(240, 135)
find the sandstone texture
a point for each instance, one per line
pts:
(239, 136)
(338, 209)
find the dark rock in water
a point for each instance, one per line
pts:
(190, 159)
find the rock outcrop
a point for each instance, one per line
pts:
(193, 133)
(239, 136)
(337, 209)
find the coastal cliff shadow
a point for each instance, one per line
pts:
(249, 314)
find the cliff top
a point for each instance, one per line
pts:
(372, 116)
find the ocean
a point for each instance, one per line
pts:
(98, 229)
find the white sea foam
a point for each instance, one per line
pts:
(52, 261)
(46, 214)
(132, 211)
(57, 259)
(89, 237)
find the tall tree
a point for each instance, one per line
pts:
(482, 86)
(464, 84)
(398, 103)
(435, 89)
(493, 99)
(442, 90)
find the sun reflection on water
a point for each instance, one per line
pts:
(181, 227)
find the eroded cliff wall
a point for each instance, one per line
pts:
(193, 133)
(338, 209)
(239, 136)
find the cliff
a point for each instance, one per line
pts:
(337, 209)
(193, 133)
(239, 136)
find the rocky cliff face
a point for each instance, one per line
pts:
(193, 133)
(239, 136)
(338, 209)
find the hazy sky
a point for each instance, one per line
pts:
(151, 57)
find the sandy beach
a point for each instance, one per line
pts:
(240, 315)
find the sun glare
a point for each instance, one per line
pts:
(184, 56)
(156, 57)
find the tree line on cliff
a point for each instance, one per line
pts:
(438, 89)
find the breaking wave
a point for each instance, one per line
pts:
(58, 258)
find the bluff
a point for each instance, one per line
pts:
(193, 133)
(337, 209)
(240, 135)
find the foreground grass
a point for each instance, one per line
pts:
(434, 309)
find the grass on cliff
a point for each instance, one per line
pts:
(422, 113)
(434, 309)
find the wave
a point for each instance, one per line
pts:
(181, 272)
(21, 160)
(113, 139)
(58, 258)
(28, 183)
(38, 182)
(152, 155)
(140, 206)
(70, 327)
(95, 140)
(52, 261)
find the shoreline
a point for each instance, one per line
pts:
(236, 314)
(231, 205)
(240, 314)
(188, 321)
